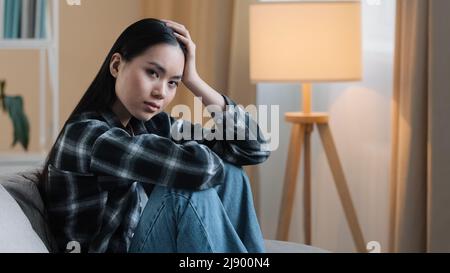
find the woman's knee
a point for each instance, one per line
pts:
(235, 182)
(235, 175)
(231, 168)
(181, 199)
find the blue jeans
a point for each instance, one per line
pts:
(220, 219)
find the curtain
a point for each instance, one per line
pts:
(420, 175)
(219, 28)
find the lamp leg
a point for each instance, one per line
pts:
(307, 223)
(290, 181)
(341, 185)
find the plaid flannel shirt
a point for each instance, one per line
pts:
(100, 175)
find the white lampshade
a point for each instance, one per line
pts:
(310, 41)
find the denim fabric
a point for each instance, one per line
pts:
(219, 219)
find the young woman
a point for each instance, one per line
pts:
(117, 180)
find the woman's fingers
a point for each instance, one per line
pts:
(184, 39)
(181, 33)
(187, 42)
(181, 29)
(173, 22)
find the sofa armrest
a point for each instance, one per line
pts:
(16, 232)
(273, 246)
(23, 188)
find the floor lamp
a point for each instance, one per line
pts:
(308, 42)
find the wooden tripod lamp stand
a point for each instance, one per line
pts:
(308, 42)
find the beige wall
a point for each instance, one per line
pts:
(87, 32)
(20, 69)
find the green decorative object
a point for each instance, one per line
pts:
(14, 106)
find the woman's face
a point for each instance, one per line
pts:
(148, 83)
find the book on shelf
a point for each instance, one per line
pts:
(2, 15)
(7, 17)
(11, 17)
(17, 8)
(27, 22)
(40, 26)
(24, 19)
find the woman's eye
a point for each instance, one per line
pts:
(174, 84)
(152, 73)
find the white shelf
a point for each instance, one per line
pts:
(48, 63)
(25, 43)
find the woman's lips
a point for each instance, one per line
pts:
(151, 106)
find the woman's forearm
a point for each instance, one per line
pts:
(209, 96)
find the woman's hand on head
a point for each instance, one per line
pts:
(190, 74)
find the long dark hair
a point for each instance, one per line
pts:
(101, 94)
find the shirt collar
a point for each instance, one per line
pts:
(113, 120)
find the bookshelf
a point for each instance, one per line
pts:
(48, 48)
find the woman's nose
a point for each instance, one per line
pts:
(159, 92)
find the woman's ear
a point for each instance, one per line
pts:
(115, 64)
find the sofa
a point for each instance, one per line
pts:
(23, 228)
